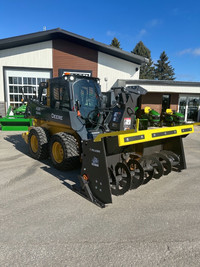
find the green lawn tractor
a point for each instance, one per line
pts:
(172, 118)
(150, 118)
(20, 110)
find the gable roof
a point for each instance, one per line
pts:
(62, 34)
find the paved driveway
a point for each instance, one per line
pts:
(44, 223)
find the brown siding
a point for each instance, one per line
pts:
(174, 102)
(154, 101)
(68, 55)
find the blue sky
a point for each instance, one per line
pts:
(170, 26)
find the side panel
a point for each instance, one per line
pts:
(94, 165)
(56, 120)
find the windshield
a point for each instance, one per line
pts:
(87, 93)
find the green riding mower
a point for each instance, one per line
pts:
(150, 118)
(172, 118)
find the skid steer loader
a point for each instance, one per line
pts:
(75, 123)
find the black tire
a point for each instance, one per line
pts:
(38, 139)
(64, 151)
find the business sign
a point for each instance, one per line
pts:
(86, 73)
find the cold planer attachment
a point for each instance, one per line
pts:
(121, 161)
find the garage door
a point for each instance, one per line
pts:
(28, 79)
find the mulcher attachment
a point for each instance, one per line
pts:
(94, 179)
(137, 173)
(165, 162)
(109, 170)
(120, 179)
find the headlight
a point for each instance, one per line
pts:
(71, 78)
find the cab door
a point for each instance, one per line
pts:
(59, 96)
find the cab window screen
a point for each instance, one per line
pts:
(57, 93)
(60, 94)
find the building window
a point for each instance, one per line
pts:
(29, 84)
(189, 106)
(182, 104)
(193, 108)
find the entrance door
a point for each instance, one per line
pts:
(193, 108)
(183, 106)
(189, 106)
(165, 102)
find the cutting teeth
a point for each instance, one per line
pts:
(137, 173)
(166, 163)
(120, 179)
(135, 170)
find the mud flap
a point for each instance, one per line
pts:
(94, 178)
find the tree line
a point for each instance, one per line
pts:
(161, 70)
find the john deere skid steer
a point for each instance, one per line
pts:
(74, 123)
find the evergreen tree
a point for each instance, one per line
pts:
(146, 70)
(163, 69)
(115, 43)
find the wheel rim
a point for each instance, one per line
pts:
(34, 143)
(57, 152)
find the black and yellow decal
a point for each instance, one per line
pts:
(153, 134)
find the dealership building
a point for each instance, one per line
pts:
(27, 60)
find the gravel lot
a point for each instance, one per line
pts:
(44, 223)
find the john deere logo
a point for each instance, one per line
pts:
(56, 117)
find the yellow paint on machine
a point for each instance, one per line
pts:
(131, 137)
(52, 127)
(153, 134)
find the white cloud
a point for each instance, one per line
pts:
(190, 51)
(196, 52)
(110, 33)
(148, 26)
(185, 51)
(142, 33)
(153, 23)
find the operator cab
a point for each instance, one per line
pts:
(77, 93)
